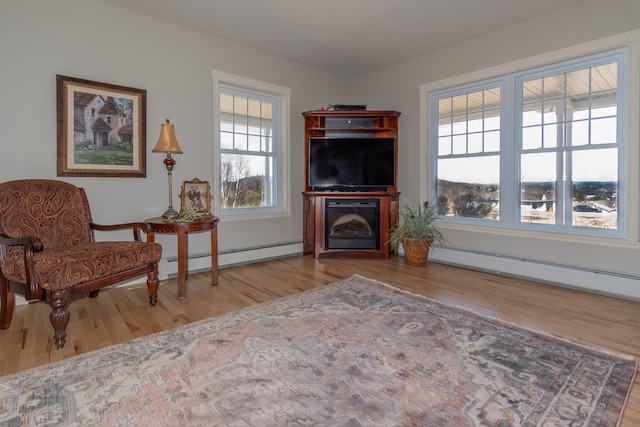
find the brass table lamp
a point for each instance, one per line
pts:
(167, 143)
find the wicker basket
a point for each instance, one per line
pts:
(416, 251)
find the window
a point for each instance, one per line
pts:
(569, 146)
(469, 135)
(252, 175)
(538, 149)
(248, 149)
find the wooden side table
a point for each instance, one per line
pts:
(182, 229)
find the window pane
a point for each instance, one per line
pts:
(550, 137)
(492, 120)
(469, 187)
(239, 142)
(538, 188)
(267, 144)
(240, 124)
(255, 125)
(445, 126)
(532, 138)
(595, 188)
(475, 125)
(240, 105)
(444, 146)
(459, 103)
(254, 143)
(226, 122)
(460, 144)
(580, 133)
(266, 110)
(459, 124)
(226, 141)
(531, 117)
(492, 142)
(603, 131)
(253, 108)
(475, 143)
(532, 91)
(246, 181)
(226, 103)
(267, 127)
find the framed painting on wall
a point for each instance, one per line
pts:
(101, 129)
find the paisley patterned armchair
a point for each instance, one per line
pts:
(48, 250)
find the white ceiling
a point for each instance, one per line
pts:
(346, 37)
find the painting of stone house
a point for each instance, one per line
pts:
(99, 121)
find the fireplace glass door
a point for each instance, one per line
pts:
(352, 223)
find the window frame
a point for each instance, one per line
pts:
(433, 136)
(615, 55)
(282, 165)
(629, 45)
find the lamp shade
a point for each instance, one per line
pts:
(167, 143)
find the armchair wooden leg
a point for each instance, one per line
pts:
(59, 316)
(7, 302)
(152, 284)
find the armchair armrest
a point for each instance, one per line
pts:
(30, 244)
(137, 227)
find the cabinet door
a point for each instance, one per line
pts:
(308, 225)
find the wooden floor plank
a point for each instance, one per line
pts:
(123, 313)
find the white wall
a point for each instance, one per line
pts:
(397, 87)
(98, 41)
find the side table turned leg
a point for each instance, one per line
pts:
(183, 263)
(214, 256)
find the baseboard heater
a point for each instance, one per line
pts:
(610, 283)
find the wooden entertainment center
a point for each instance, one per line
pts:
(378, 205)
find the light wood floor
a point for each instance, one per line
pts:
(123, 313)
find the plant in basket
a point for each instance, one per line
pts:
(417, 231)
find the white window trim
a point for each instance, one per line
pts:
(284, 176)
(629, 40)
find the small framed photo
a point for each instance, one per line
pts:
(196, 194)
(101, 129)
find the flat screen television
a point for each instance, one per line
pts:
(357, 164)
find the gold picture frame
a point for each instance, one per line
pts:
(101, 129)
(196, 194)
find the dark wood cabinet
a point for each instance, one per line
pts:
(319, 205)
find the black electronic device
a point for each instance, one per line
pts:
(345, 107)
(351, 164)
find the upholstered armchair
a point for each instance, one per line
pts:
(48, 250)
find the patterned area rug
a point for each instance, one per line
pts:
(354, 353)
